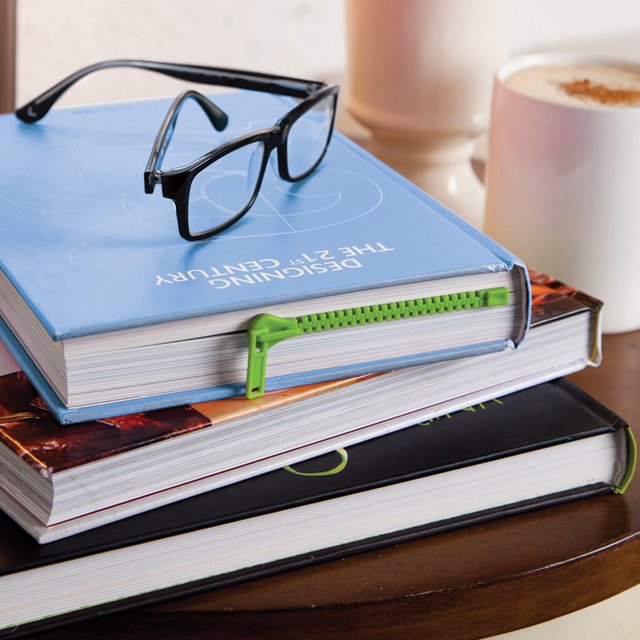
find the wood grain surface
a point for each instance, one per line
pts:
(7, 55)
(471, 583)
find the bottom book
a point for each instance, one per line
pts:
(545, 445)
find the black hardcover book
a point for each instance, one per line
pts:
(544, 445)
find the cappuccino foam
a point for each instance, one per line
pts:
(584, 85)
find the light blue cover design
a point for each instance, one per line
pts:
(90, 252)
(84, 244)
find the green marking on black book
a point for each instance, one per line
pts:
(266, 330)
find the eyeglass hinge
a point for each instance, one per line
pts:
(151, 179)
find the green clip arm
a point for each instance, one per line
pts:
(496, 297)
(265, 331)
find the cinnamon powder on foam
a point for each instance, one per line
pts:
(588, 90)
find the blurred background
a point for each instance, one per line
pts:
(305, 38)
(294, 37)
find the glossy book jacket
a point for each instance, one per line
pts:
(28, 428)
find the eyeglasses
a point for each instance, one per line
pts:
(300, 137)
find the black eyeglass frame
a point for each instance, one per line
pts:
(176, 183)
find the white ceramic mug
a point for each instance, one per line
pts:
(563, 188)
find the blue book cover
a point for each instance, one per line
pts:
(90, 252)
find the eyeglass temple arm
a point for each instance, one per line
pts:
(217, 117)
(39, 107)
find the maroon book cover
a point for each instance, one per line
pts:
(29, 430)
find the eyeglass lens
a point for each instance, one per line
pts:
(225, 188)
(308, 137)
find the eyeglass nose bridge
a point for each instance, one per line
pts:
(278, 150)
(279, 142)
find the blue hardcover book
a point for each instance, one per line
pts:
(110, 311)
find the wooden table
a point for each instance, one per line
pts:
(472, 583)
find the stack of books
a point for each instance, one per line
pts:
(126, 442)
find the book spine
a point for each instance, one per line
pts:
(632, 460)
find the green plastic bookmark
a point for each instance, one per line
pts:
(266, 330)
